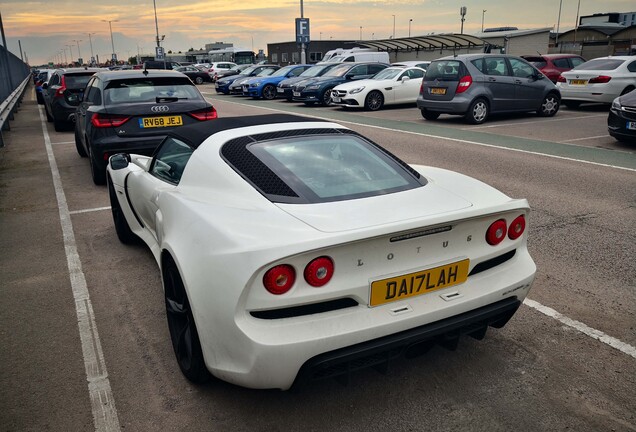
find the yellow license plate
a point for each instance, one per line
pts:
(166, 121)
(438, 91)
(578, 82)
(418, 283)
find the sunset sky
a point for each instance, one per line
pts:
(47, 27)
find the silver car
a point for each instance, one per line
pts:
(477, 85)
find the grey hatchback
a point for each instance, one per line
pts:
(477, 85)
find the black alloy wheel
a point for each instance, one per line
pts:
(269, 92)
(183, 330)
(325, 100)
(374, 101)
(124, 233)
(198, 80)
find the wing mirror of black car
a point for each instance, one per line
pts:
(119, 161)
(349, 76)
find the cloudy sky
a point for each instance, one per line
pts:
(47, 27)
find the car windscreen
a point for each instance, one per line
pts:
(333, 167)
(266, 72)
(147, 89)
(387, 74)
(338, 71)
(444, 70)
(282, 71)
(314, 71)
(77, 81)
(600, 64)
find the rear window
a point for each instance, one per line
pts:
(444, 70)
(148, 89)
(333, 168)
(77, 81)
(537, 62)
(601, 64)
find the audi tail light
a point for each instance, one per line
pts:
(205, 114)
(108, 120)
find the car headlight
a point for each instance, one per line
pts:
(256, 84)
(616, 104)
(356, 90)
(312, 87)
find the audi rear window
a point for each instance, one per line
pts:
(77, 81)
(148, 89)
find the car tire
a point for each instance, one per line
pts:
(124, 233)
(572, 104)
(374, 101)
(269, 92)
(98, 174)
(49, 117)
(59, 126)
(325, 97)
(78, 144)
(429, 115)
(549, 106)
(198, 80)
(183, 330)
(478, 111)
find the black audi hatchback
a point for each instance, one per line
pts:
(132, 111)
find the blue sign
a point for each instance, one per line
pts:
(302, 30)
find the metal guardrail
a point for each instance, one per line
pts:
(9, 106)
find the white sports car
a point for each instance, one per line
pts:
(293, 249)
(394, 85)
(601, 80)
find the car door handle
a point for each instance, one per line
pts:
(491, 79)
(518, 82)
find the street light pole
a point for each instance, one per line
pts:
(410, 21)
(483, 12)
(360, 33)
(393, 37)
(79, 54)
(462, 12)
(70, 49)
(112, 42)
(90, 40)
(154, 3)
(303, 53)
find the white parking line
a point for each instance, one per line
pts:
(105, 416)
(89, 210)
(582, 139)
(589, 331)
(63, 142)
(529, 122)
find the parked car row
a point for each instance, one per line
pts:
(474, 86)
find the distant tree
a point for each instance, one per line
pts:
(191, 49)
(132, 60)
(169, 51)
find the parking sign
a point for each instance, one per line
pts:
(302, 30)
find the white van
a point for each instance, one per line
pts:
(339, 51)
(365, 56)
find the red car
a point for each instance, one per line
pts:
(553, 64)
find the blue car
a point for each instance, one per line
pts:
(222, 85)
(265, 87)
(318, 90)
(284, 88)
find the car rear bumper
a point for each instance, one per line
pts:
(569, 94)
(278, 352)
(458, 105)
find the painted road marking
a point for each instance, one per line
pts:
(583, 139)
(583, 328)
(531, 122)
(74, 212)
(105, 416)
(63, 142)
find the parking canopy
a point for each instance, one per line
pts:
(429, 43)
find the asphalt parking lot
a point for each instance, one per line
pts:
(566, 362)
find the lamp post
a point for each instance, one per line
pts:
(90, 40)
(483, 12)
(360, 33)
(556, 42)
(462, 12)
(70, 50)
(393, 27)
(154, 4)
(79, 54)
(112, 42)
(410, 21)
(65, 59)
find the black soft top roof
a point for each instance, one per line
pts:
(195, 134)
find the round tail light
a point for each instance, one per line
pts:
(496, 232)
(278, 280)
(517, 227)
(319, 271)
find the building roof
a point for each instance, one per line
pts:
(511, 33)
(427, 42)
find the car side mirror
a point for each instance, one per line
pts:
(405, 78)
(349, 76)
(119, 161)
(45, 85)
